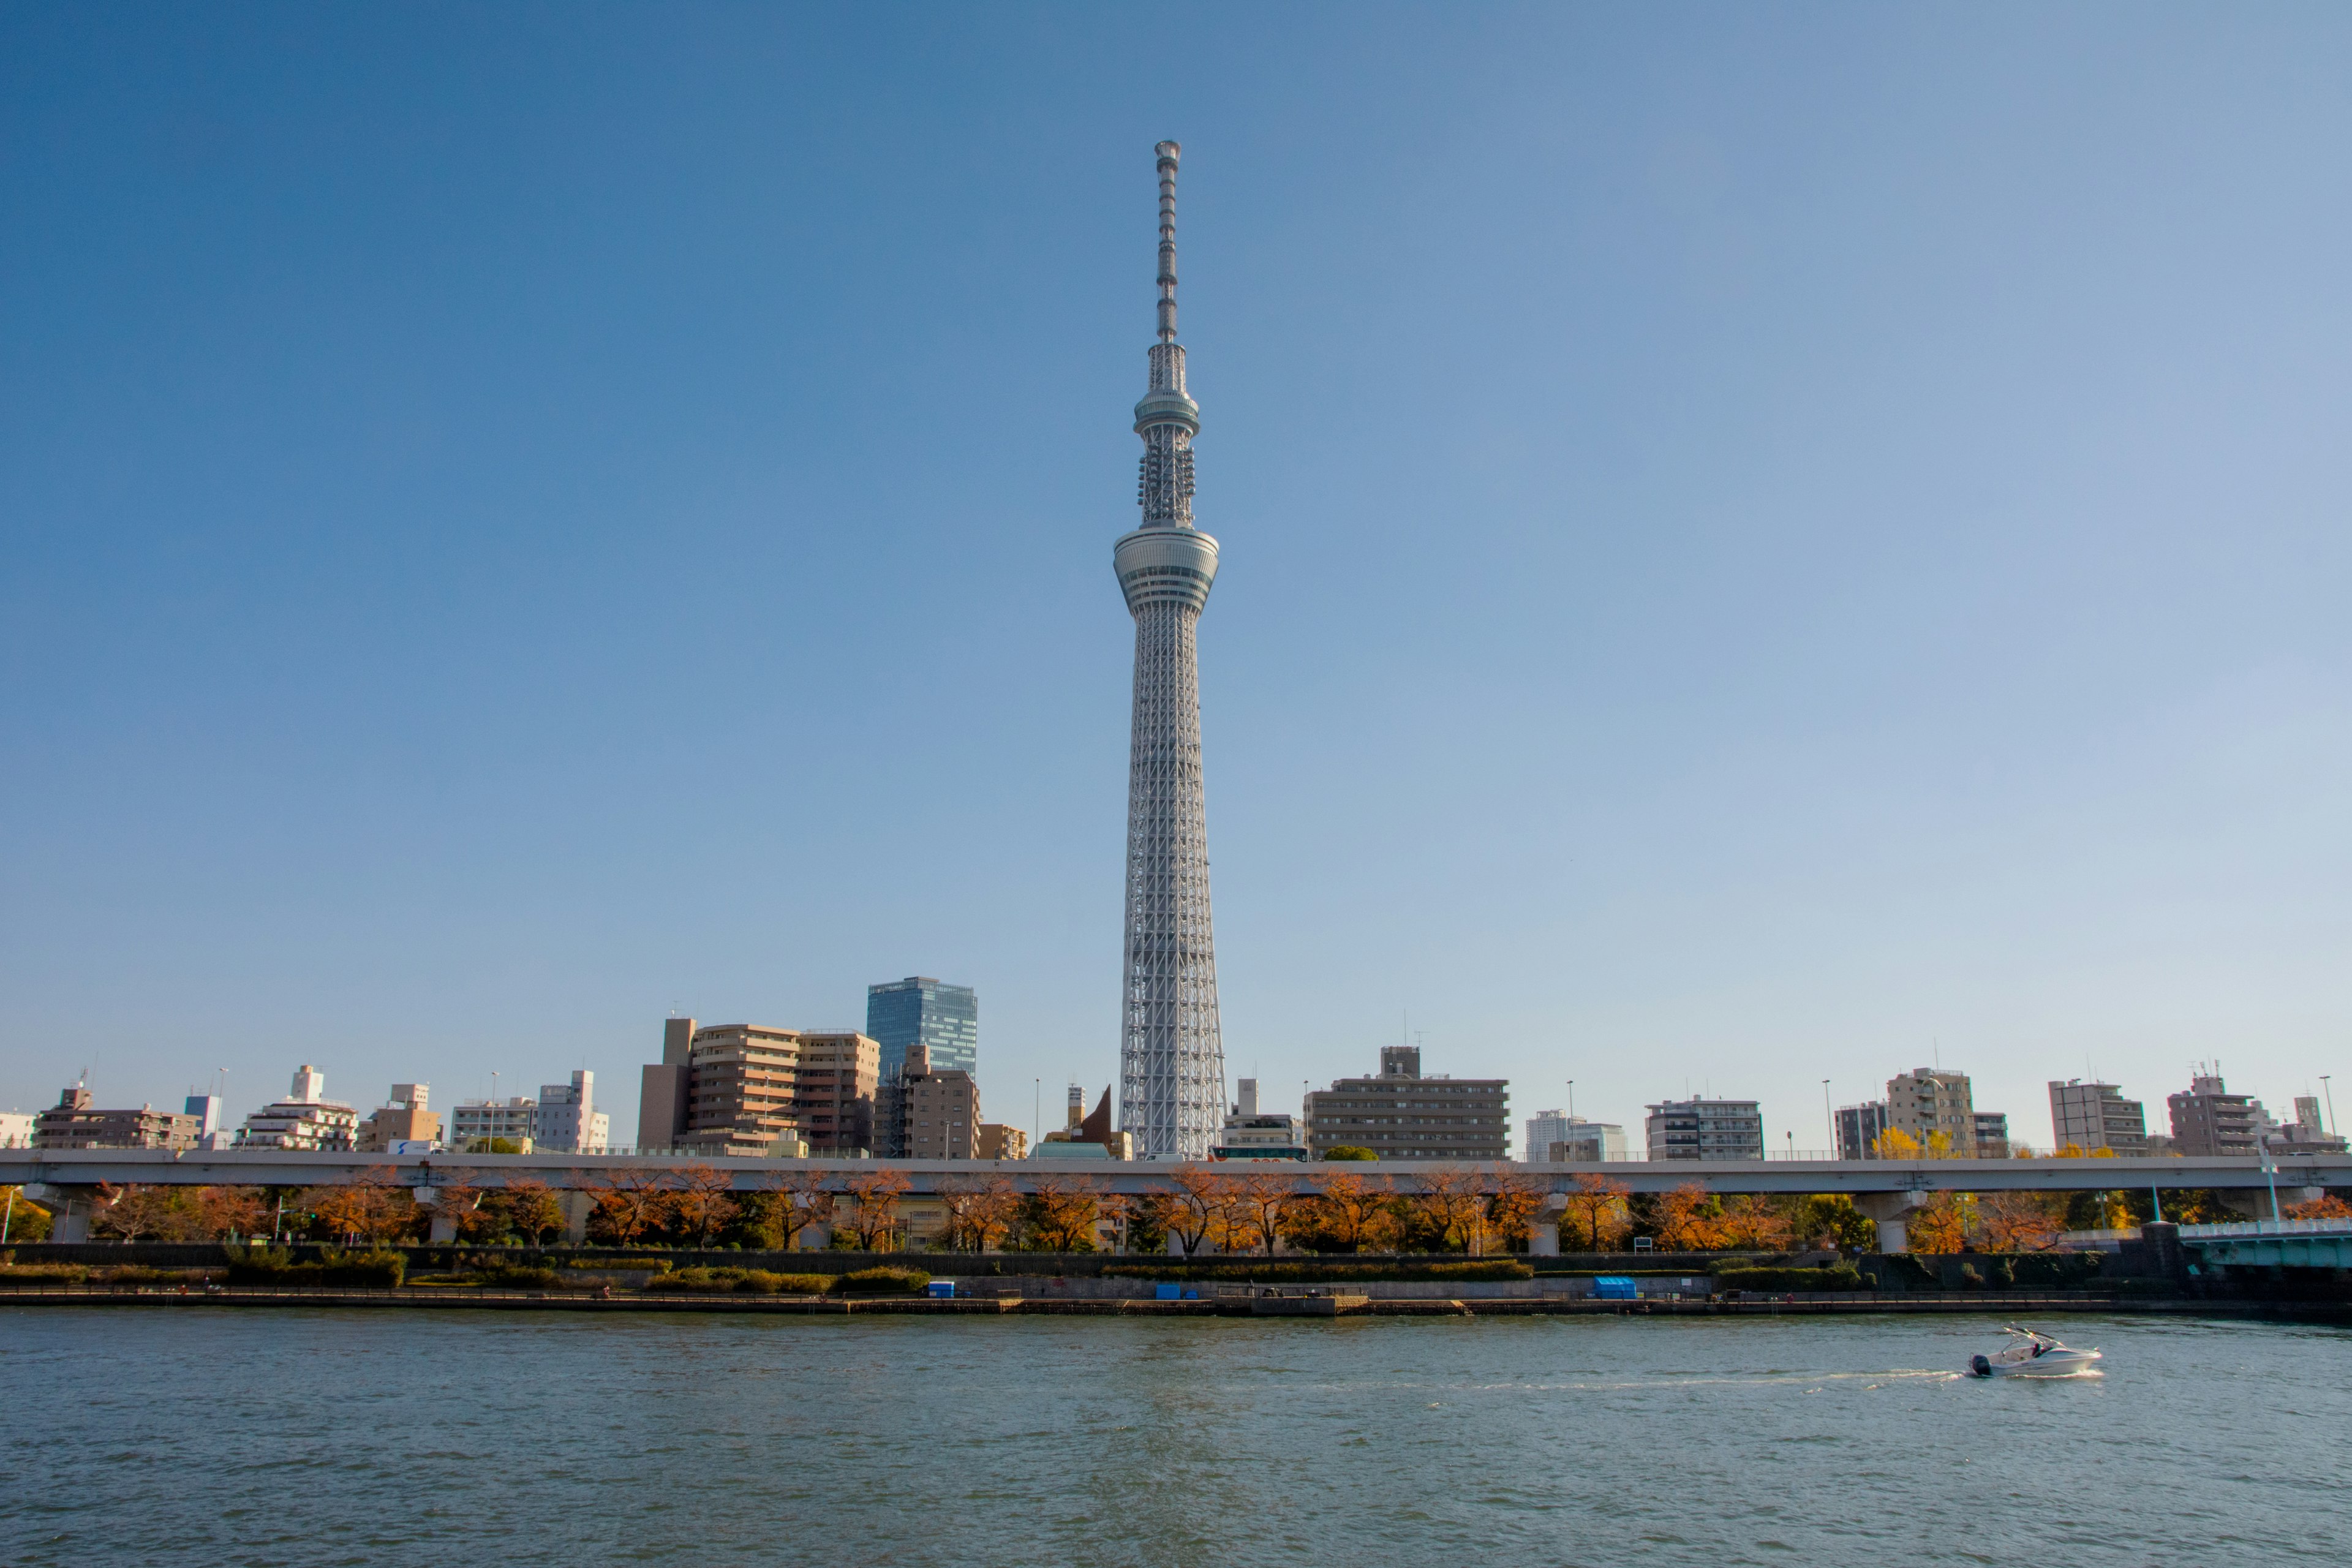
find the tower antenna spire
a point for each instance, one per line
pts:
(1168, 152)
(1171, 1045)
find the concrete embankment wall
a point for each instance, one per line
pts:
(1064, 1265)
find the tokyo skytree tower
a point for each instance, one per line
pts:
(1172, 1056)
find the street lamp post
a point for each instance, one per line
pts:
(1832, 1115)
(2328, 1089)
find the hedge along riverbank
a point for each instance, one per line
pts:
(1321, 1273)
(764, 1282)
(1842, 1277)
(260, 1264)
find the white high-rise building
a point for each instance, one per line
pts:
(305, 1119)
(1172, 1052)
(566, 1120)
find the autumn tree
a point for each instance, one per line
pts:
(533, 1209)
(874, 1208)
(1199, 1206)
(374, 1207)
(994, 1213)
(22, 1219)
(1352, 1211)
(130, 1213)
(2019, 1222)
(702, 1203)
(1260, 1204)
(1754, 1222)
(1452, 1203)
(799, 1197)
(225, 1212)
(630, 1202)
(2324, 1207)
(1687, 1220)
(1599, 1204)
(1513, 1201)
(1061, 1213)
(1940, 1225)
(958, 1197)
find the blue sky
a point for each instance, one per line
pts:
(1758, 547)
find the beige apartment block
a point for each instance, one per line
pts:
(756, 1090)
(1926, 1102)
(838, 1073)
(999, 1141)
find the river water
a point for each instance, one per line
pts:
(225, 1436)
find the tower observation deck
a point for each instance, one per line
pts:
(1171, 1054)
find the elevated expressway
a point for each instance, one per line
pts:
(1886, 1190)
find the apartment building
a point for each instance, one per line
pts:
(566, 1120)
(1859, 1129)
(404, 1119)
(999, 1141)
(2090, 1116)
(1706, 1129)
(74, 1122)
(747, 1088)
(1935, 1108)
(938, 1111)
(1992, 1135)
(306, 1119)
(2209, 1119)
(1397, 1114)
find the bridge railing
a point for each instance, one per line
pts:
(2266, 1228)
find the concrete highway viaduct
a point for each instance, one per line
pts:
(1885, 1190)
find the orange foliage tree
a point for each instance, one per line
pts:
(703, 1203)
(533, 1209)
(1942, 1224)
(874, 1208)
(1513, 1201)
(1199, 1207)
(2019, 1222)
(1754, 1222)
(1599, 1207)
(1261, 1204)
(1061, 1213)
(2328, 1207)
(1354, 1211)
(1687, 1220)
(630, 1203)
(374, 1209)
(801, 1197)
(230, 1211)
(980, 1212)
(1452, 1205)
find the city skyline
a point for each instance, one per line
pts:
(1776, 550)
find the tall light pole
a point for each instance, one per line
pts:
(1571, 1099)
(2326, 1089)
(1832, 1115)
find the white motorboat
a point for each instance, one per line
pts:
(2032, 1353)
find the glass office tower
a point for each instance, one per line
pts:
(920, 1010)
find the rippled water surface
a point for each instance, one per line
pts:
(225, 1436)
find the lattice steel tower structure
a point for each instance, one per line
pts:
(1172, 1056)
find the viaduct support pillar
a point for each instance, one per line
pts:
(1891, 1211)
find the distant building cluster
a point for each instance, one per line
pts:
(906, 1087)
(1928, 1111)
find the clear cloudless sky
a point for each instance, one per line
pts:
(1758, 545)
